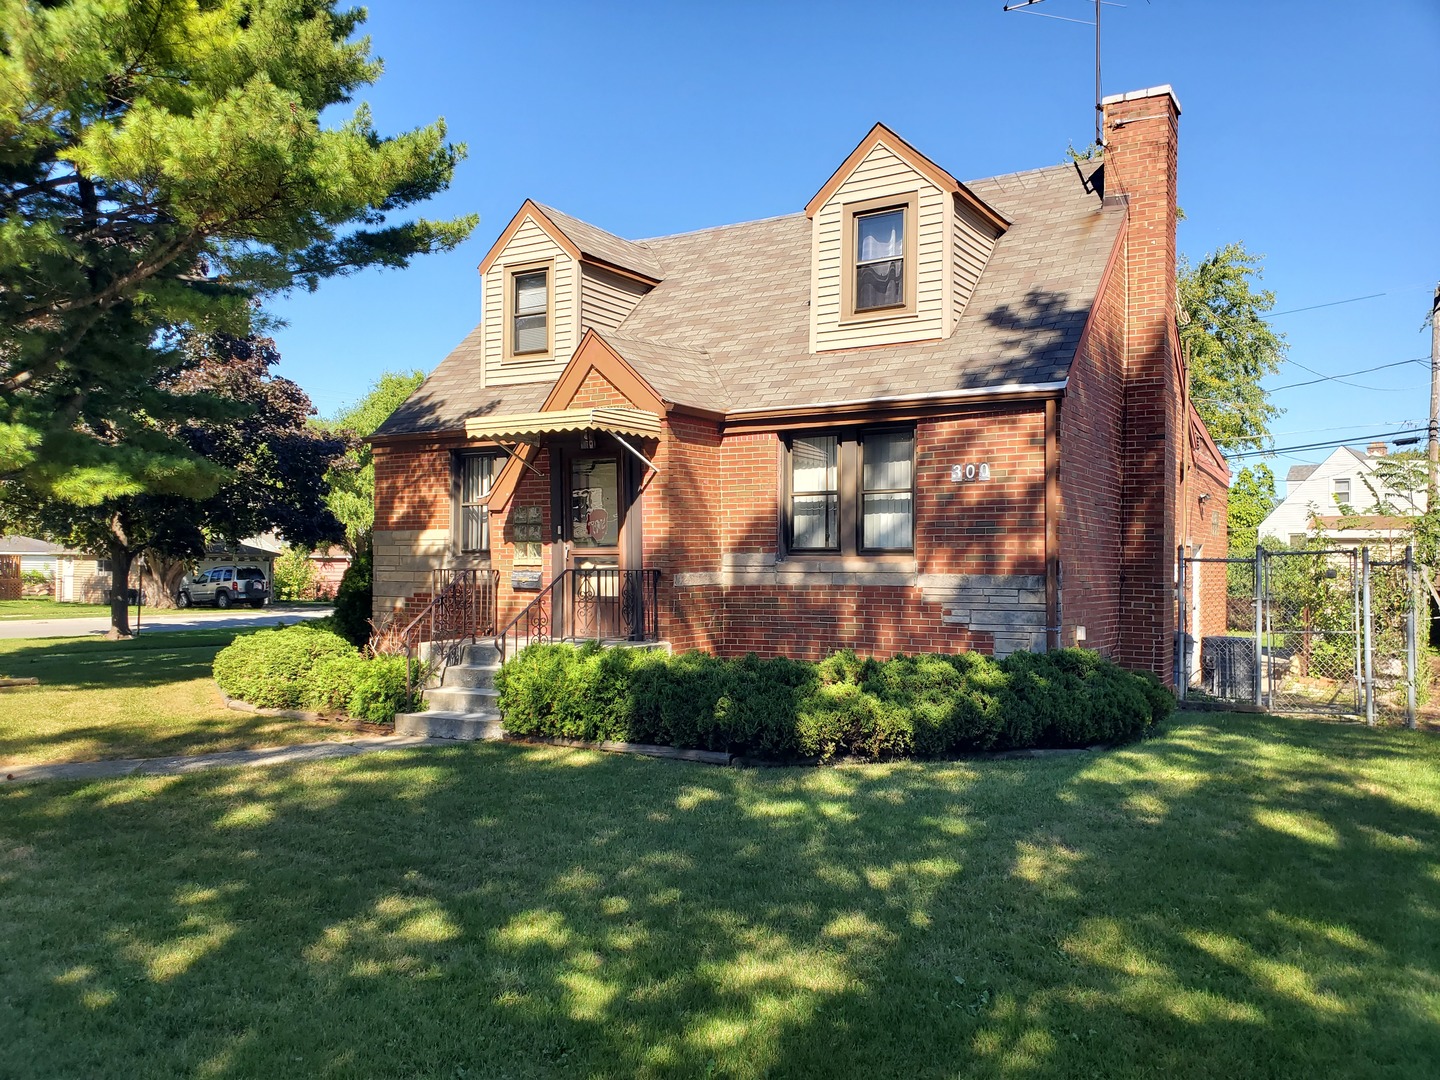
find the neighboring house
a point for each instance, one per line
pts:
(922, 415)
(75, 575)
(255, 551)
(1318, 495)
(329, 565)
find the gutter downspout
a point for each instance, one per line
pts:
(1052, 528)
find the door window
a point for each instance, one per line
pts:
(595, 502)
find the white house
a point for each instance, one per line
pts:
(1315, 494)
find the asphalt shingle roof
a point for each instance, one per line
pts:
(727, 327)
(605, 246)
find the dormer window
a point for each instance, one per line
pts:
(530, 324)
(879, 257)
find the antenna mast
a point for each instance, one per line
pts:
(1027, 6)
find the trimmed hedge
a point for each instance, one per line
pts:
(309, 666)
(843, 706)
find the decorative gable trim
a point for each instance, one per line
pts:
(592, 354)
(531, 209)
(881, 135)
(528, 210)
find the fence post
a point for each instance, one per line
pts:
(1412, 645)
(1259, 624)
(1369, 676)
(1181, 653)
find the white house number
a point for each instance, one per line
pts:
(963, 473)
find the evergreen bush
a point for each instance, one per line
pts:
(272, 668)
(845, 705)
(353, 601)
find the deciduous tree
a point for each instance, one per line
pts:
(1230, 345)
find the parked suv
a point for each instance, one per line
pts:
(224, 586)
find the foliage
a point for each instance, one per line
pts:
(1252, 497)
(294, 574)
(310, 666)
(272, 668)
(926, 706)
(1230, 346)
(164, 169)
(354, 601)
(1396, 483)
(350, 484)
(248, 424)
(369, 688)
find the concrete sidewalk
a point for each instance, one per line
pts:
(173, 766)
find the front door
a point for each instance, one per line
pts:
(594, 499)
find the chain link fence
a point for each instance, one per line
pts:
(1320, 631)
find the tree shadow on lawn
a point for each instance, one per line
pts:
(1255, 900)
(71, 664)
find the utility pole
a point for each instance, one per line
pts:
(1434, 448)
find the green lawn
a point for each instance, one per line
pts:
(147, 697)
(38, 607)
(1241, 897)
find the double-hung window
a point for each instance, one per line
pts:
(1340, 487)
(474, 473)
(879, 260)
(851, 493)
(528, 315)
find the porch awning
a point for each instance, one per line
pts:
(531, 427)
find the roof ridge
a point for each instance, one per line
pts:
(719, 228)
(1065, 165)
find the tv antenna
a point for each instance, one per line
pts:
(1028, 6)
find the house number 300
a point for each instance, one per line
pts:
(962, 473)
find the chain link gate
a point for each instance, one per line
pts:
(1326, 631)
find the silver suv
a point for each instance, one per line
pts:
(225, 586)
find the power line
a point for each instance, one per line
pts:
(1348, 374)
(1322, 445)
(1350, 300)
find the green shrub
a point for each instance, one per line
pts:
(293, 574)
(353, 601)
(843, 706)
(332, 681)
(272, 668)
(379, 693)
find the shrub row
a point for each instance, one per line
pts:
(926, 706)
(309, 666)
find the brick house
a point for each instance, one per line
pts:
(921, 415)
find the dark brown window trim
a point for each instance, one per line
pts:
(458, 459)
(849, 214)
(511, 272)
(849, 481)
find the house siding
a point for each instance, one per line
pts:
(974, 240)
(529, 244)
(880, 175)
(606, 298)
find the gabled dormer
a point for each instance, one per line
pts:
(547, 279)
(897, 244)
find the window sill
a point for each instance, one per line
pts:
(882, 317)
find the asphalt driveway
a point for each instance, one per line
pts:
(280, 614)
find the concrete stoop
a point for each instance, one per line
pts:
(463, 705)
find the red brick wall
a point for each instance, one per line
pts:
(1140, 160)
(1091, 433)
(412, 484)
(996, 526)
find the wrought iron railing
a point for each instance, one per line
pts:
(601, 603)
(462, 608)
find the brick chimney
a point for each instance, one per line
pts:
(1141, 131)
(1375, 449)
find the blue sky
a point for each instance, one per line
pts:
(1308, 131)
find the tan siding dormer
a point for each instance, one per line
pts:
(606, 297)
(871, 285)
(974, 240)
(527, 249)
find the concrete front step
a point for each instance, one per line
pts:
(462, 699)
(469, 726)
(481, 654)
(475, 676)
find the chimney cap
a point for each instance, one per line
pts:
(1138, 95)
(1375, 449)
